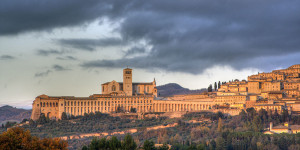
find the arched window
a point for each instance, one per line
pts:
(113, 88)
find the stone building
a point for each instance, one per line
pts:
(123, 96)
(274, 90)
(285, 128)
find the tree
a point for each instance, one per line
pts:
(220, 126)
(103, 144)
(212, 145)
(18, 138)
(133, 110)
(128, 143)
(114, 143)
(164, 147)
(94, 145)
(220, 144)
(64, 116)
(257, 125)
(9, 124)
(219, 84)
(42, 119)
(215, 86)
(209, 89)
(84, 148)
(24, 120)
(282, 143)
(148, 145)
(201, 147)
(119, 109)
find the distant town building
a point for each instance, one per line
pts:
(286, 128)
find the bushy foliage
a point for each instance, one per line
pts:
(89, 123)
(18, 138)
(112, 144)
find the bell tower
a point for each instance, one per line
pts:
(127, 81)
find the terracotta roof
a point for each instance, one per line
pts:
(267, 105)
(280, 127)
(143, 83)
(295, 127)
(275, 92)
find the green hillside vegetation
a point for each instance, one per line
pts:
(89, 123)
(242, 132)
(213, 131)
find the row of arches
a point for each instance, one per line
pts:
(163, 107)
(126, 108)
(49, 104)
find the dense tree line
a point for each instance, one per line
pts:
(115, 144)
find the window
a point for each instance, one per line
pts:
(113, 88)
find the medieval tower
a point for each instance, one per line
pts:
(127, 81)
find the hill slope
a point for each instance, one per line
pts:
(12, 113)
(175, 89)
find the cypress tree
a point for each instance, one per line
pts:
(215, 86)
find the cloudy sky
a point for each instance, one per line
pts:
(70, 47)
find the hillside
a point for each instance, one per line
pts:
(12, 113)
(175, 89)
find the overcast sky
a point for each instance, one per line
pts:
(70, 47)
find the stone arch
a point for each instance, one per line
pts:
(48, 115)
(113, 88)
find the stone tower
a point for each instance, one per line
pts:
(127, 81)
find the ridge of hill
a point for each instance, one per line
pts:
(171, 89)
(12, 113)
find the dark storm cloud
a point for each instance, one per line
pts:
(43, 74)
(6, 57)
(43, 52)
(195, 35)
(91, 44)
(35, 15)
(59, 68)
(185, 36)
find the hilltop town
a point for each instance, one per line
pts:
(275, 91)
(262, 107)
